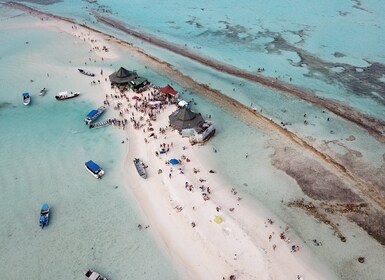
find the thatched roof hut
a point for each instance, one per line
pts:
(185, 118)
(122, 76)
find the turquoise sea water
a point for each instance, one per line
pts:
(328, 35)
(93, 222)
(43, 150)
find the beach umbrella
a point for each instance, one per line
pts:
(174, 161)
(218, 219)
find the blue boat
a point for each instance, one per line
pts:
(26, 98)
(94, 114)
(94, 169)
(44, 215)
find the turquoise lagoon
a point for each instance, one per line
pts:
(82, 233)
(43, 150)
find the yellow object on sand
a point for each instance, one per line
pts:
(218, 219)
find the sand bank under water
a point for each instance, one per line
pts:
(360, 188)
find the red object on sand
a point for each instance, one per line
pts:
(168, 90)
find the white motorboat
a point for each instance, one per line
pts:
(26, 98)
(67, 95)
(42, 91)
(94, 169)
(93, 275)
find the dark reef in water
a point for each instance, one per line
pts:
(329, 195)
(362, 81)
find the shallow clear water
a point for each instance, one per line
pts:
(106, 238)
(44, 147)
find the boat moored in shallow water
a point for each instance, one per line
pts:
(94, 169)
(101, 124)
(44, 215)
(67, 95)
(26, 98)
(94, 114)
(93, 275)
(84, 72)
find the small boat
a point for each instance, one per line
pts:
(67, 95)
(26, 98)
(84, 72)
(43, 91)
(94, 169)
(92, 275)
(140, 167)
(94, 114)
(101, 124)
(44, 215)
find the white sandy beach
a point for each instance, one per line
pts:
(240, 244)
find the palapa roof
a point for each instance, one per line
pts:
(185, 118)
(122, 76)
(168, 90)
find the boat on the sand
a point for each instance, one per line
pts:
(140, 167)
(87, 73)
(66, 95)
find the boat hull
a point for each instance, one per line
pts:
(65, 96)
(44, 216)
(93, 275)
(101, 124)
(98, 113)
(97, 171)
(26, 98)
(139, 165)
(86, 73)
